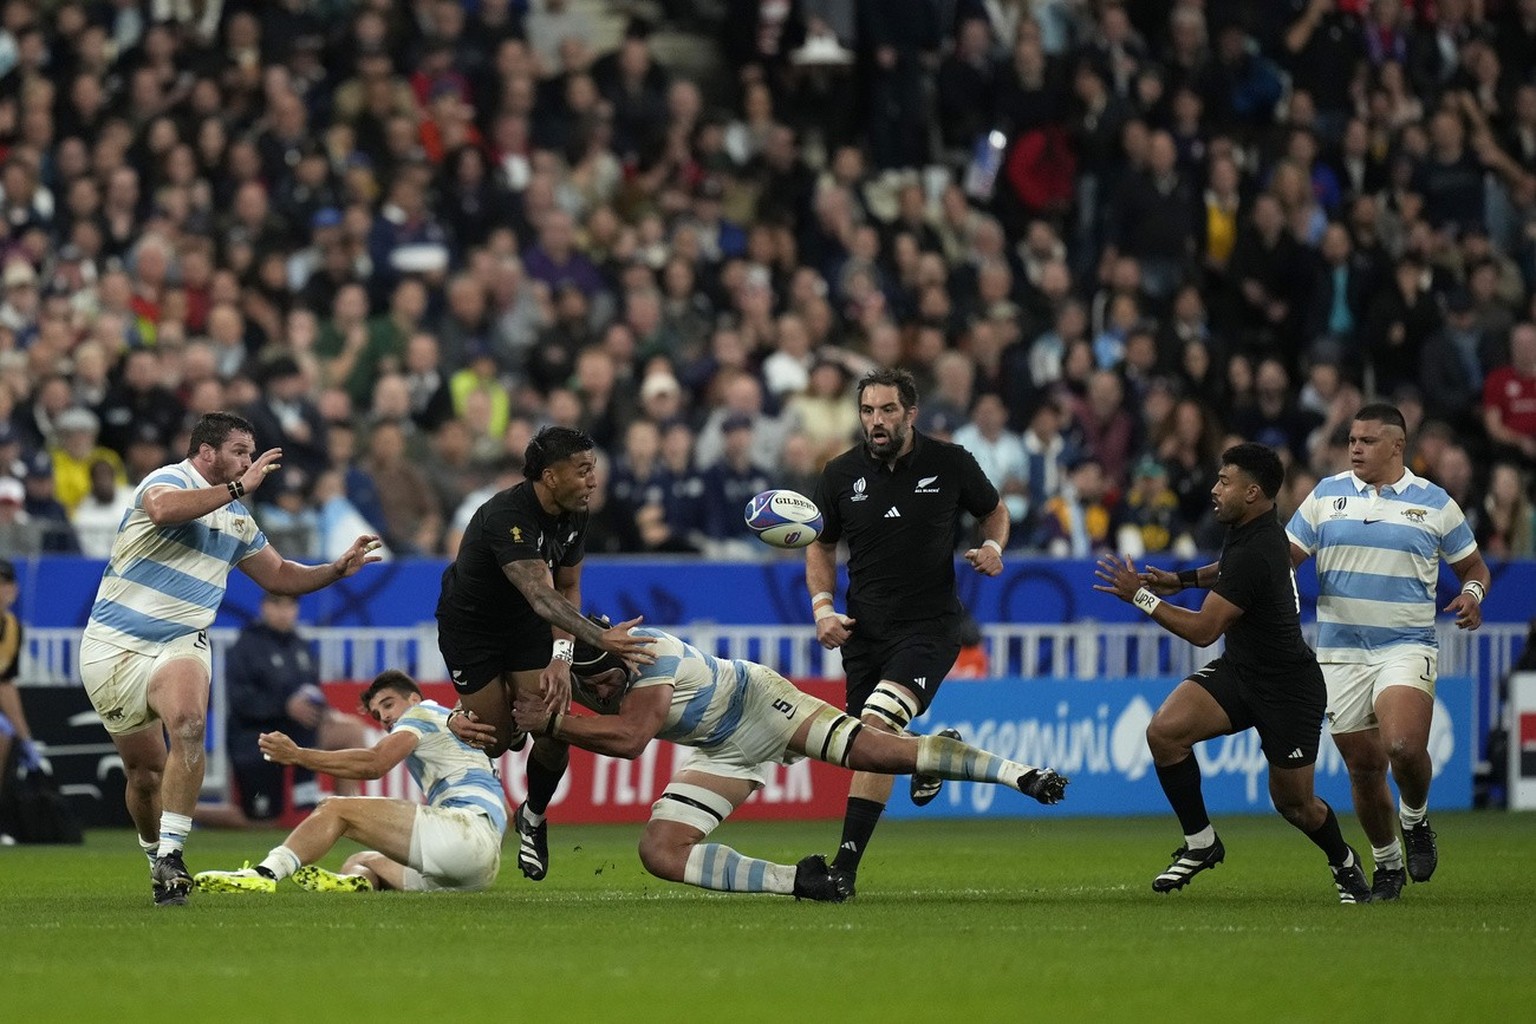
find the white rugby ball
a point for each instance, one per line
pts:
(784, 519)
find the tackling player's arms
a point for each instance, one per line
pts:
(626, 734)
(357, 763)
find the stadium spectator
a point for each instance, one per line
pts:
(273, 683)
(453, 842)
(96, 518)
(999, 452)
(1509, 397)
(48, 519)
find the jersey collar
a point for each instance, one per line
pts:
(1407, 480)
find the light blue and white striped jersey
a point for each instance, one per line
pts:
(161, 583)
(708, 696)
(1378, 560)
(449, 771)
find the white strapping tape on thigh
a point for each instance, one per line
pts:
(893, 705)
(691, 805)
(831, 736)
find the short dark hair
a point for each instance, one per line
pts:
(1382, 412)
(214, 429)
(889, 376)
(1260, 462)
(389, 679)
(552, 445)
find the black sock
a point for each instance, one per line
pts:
(858, 825)
(1181, 785)
(1329, 839)
(543, 780)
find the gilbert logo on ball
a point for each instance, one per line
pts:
(784, 519)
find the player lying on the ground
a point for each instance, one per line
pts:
(451, 842)
(741, 716)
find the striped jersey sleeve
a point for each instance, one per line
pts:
(1378, 559)
(449, 771)
(708, 693)
(164, 582)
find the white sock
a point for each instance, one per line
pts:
(174, 829)
(716, 866)
(151, 848)
(1206, 837)
(533, 819)
(1411, 816)
(1389, 857)
(281, 862)
(947, 758)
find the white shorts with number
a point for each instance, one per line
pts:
(452, 848)
(1353, 688)
(117, 679)
(774, 709)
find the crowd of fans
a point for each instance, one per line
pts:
(1108, 238)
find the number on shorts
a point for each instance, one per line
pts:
(201, 643)
(784, 707)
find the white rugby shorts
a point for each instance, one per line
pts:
(117, 679)
(1353, 688)
(452, 848)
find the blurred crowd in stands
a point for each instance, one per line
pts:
(1108, 237)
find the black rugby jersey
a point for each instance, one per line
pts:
(900, 524)
(1256, 575)
(510, 527)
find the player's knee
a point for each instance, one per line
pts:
(186, 728)
(1403, 748)
(143, 781)
(889, 708)
(662, 855)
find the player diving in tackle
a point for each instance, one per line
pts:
(740, 717)
(451, 842)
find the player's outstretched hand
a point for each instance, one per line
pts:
(633, 649)
(1120, 577)
(278, 748)
(1469, 613)
(466, 725)
(529, 714)
(361, 553)
(265, 465)
(1160, 581)
(985, 560)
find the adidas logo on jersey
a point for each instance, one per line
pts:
(1295, 755)
(893, 514)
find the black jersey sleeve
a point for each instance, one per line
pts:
(576, 550)
(826, 500)
(977, 495)
(512, 534)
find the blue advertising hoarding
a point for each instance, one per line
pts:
(1094, 733)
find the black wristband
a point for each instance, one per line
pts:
(1189, 577)
(553, 724)
(236, 489)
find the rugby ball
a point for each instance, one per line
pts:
(784, 519)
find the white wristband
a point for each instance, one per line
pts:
(564, 650)
(1475, 589)
(994, 545)
(1146, 600)
(821, 605)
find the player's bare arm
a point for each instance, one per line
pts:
(555, 680)
(625, 734)
(170, 506)
(1201, 628)
(279, 575)
(357, 763)
(1473, 573)
(832, 627)
(533, 580)
(987, 557)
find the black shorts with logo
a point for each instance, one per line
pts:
(1286, 709)
(476, 659)
(918, 655)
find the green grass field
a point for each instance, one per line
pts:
(972, 921)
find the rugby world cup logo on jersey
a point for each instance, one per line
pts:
(1339, 507)
(925, 485)
(859, 486)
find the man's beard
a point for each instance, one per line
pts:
(888, 448)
